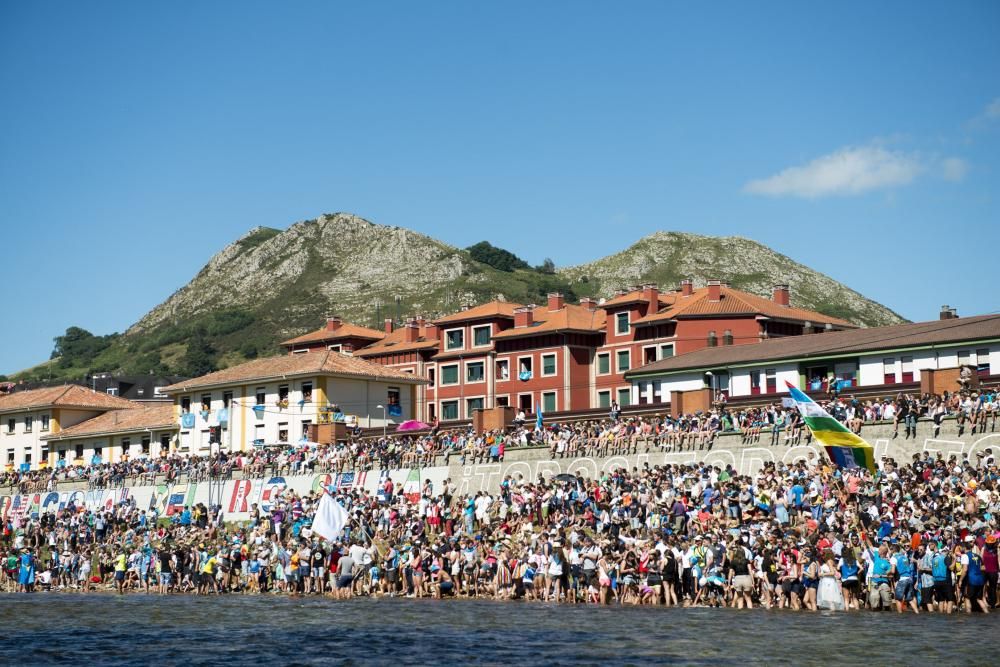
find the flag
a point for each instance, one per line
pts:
(330, 518)
(846, 449)
(538, 421)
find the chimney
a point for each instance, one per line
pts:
(620, 292)
(430, 331)
(524, 317)
(948, 313)
(714, 290)
(388, 325)
(556, 301)
(466, 306)
(412, 331)
(687, 287)
(588, 303)
(333, 322)
(651, 295)
(780, 294)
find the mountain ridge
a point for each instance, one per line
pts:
(271, 284)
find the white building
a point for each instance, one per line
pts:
(27, 417)
(144, 431)
(888, 357)
(276, 399)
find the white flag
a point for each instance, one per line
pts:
(330, 518)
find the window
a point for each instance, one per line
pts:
(503, 369)
(10, 455)
(258, 434)
(983, 362)
(332, 348)
(623, 359)
(964, 358)
(126, 445)
(261, 395)
(164, 443)
(712, 340)
(481, 335)
(648, 355)
(624, 397)
(889, 370)
(524, 402)
(283, 392)
(283, 432)
(548, 364)
(727, 337)
(10, 425)
(524, 368)
(771, 377)
(27, 457)
(473, 404)
(45, 422)
(454, 339)
(449, 375)
(304, 351)
(666, 351)
(604, 399)
(475, 371)
(503, 401)
(185, 404)
(206, 401)
(907, 363)
(144, 446)
(603, 363)
(227, 399)
(755, 382)
(431, 375)
(449, 410)
(393, 396)
(307, 392)
(549, 401)
(78, 450)
(621, 323)
(112, 391)
(29, 422)
(306, 423)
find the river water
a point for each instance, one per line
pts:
(184, 630)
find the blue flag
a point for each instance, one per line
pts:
(538, 421)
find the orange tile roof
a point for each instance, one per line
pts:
(314, 363)
(395, 342)
(571, 317)
(635, 296)
(345, 330)
(120, 421)
(737, 302)
(66, 396)
(482, 311)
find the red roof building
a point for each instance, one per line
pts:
(563, 356)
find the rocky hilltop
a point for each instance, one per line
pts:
(271, 285)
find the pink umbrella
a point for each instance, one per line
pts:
(412, 425)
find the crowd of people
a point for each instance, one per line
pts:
(774, 423)
(920, 536)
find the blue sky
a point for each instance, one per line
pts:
(138, 139)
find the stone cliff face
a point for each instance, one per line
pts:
(668, 257)
(342, 264)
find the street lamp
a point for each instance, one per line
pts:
(383, 420)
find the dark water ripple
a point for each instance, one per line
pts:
(148, 630)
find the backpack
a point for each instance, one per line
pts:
(939, 570)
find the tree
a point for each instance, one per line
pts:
(547, 266)
(79, 347)
(498, 258)
(199, 358)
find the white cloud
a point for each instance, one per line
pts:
(852, 170)
(954, 169)
(993, 109)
